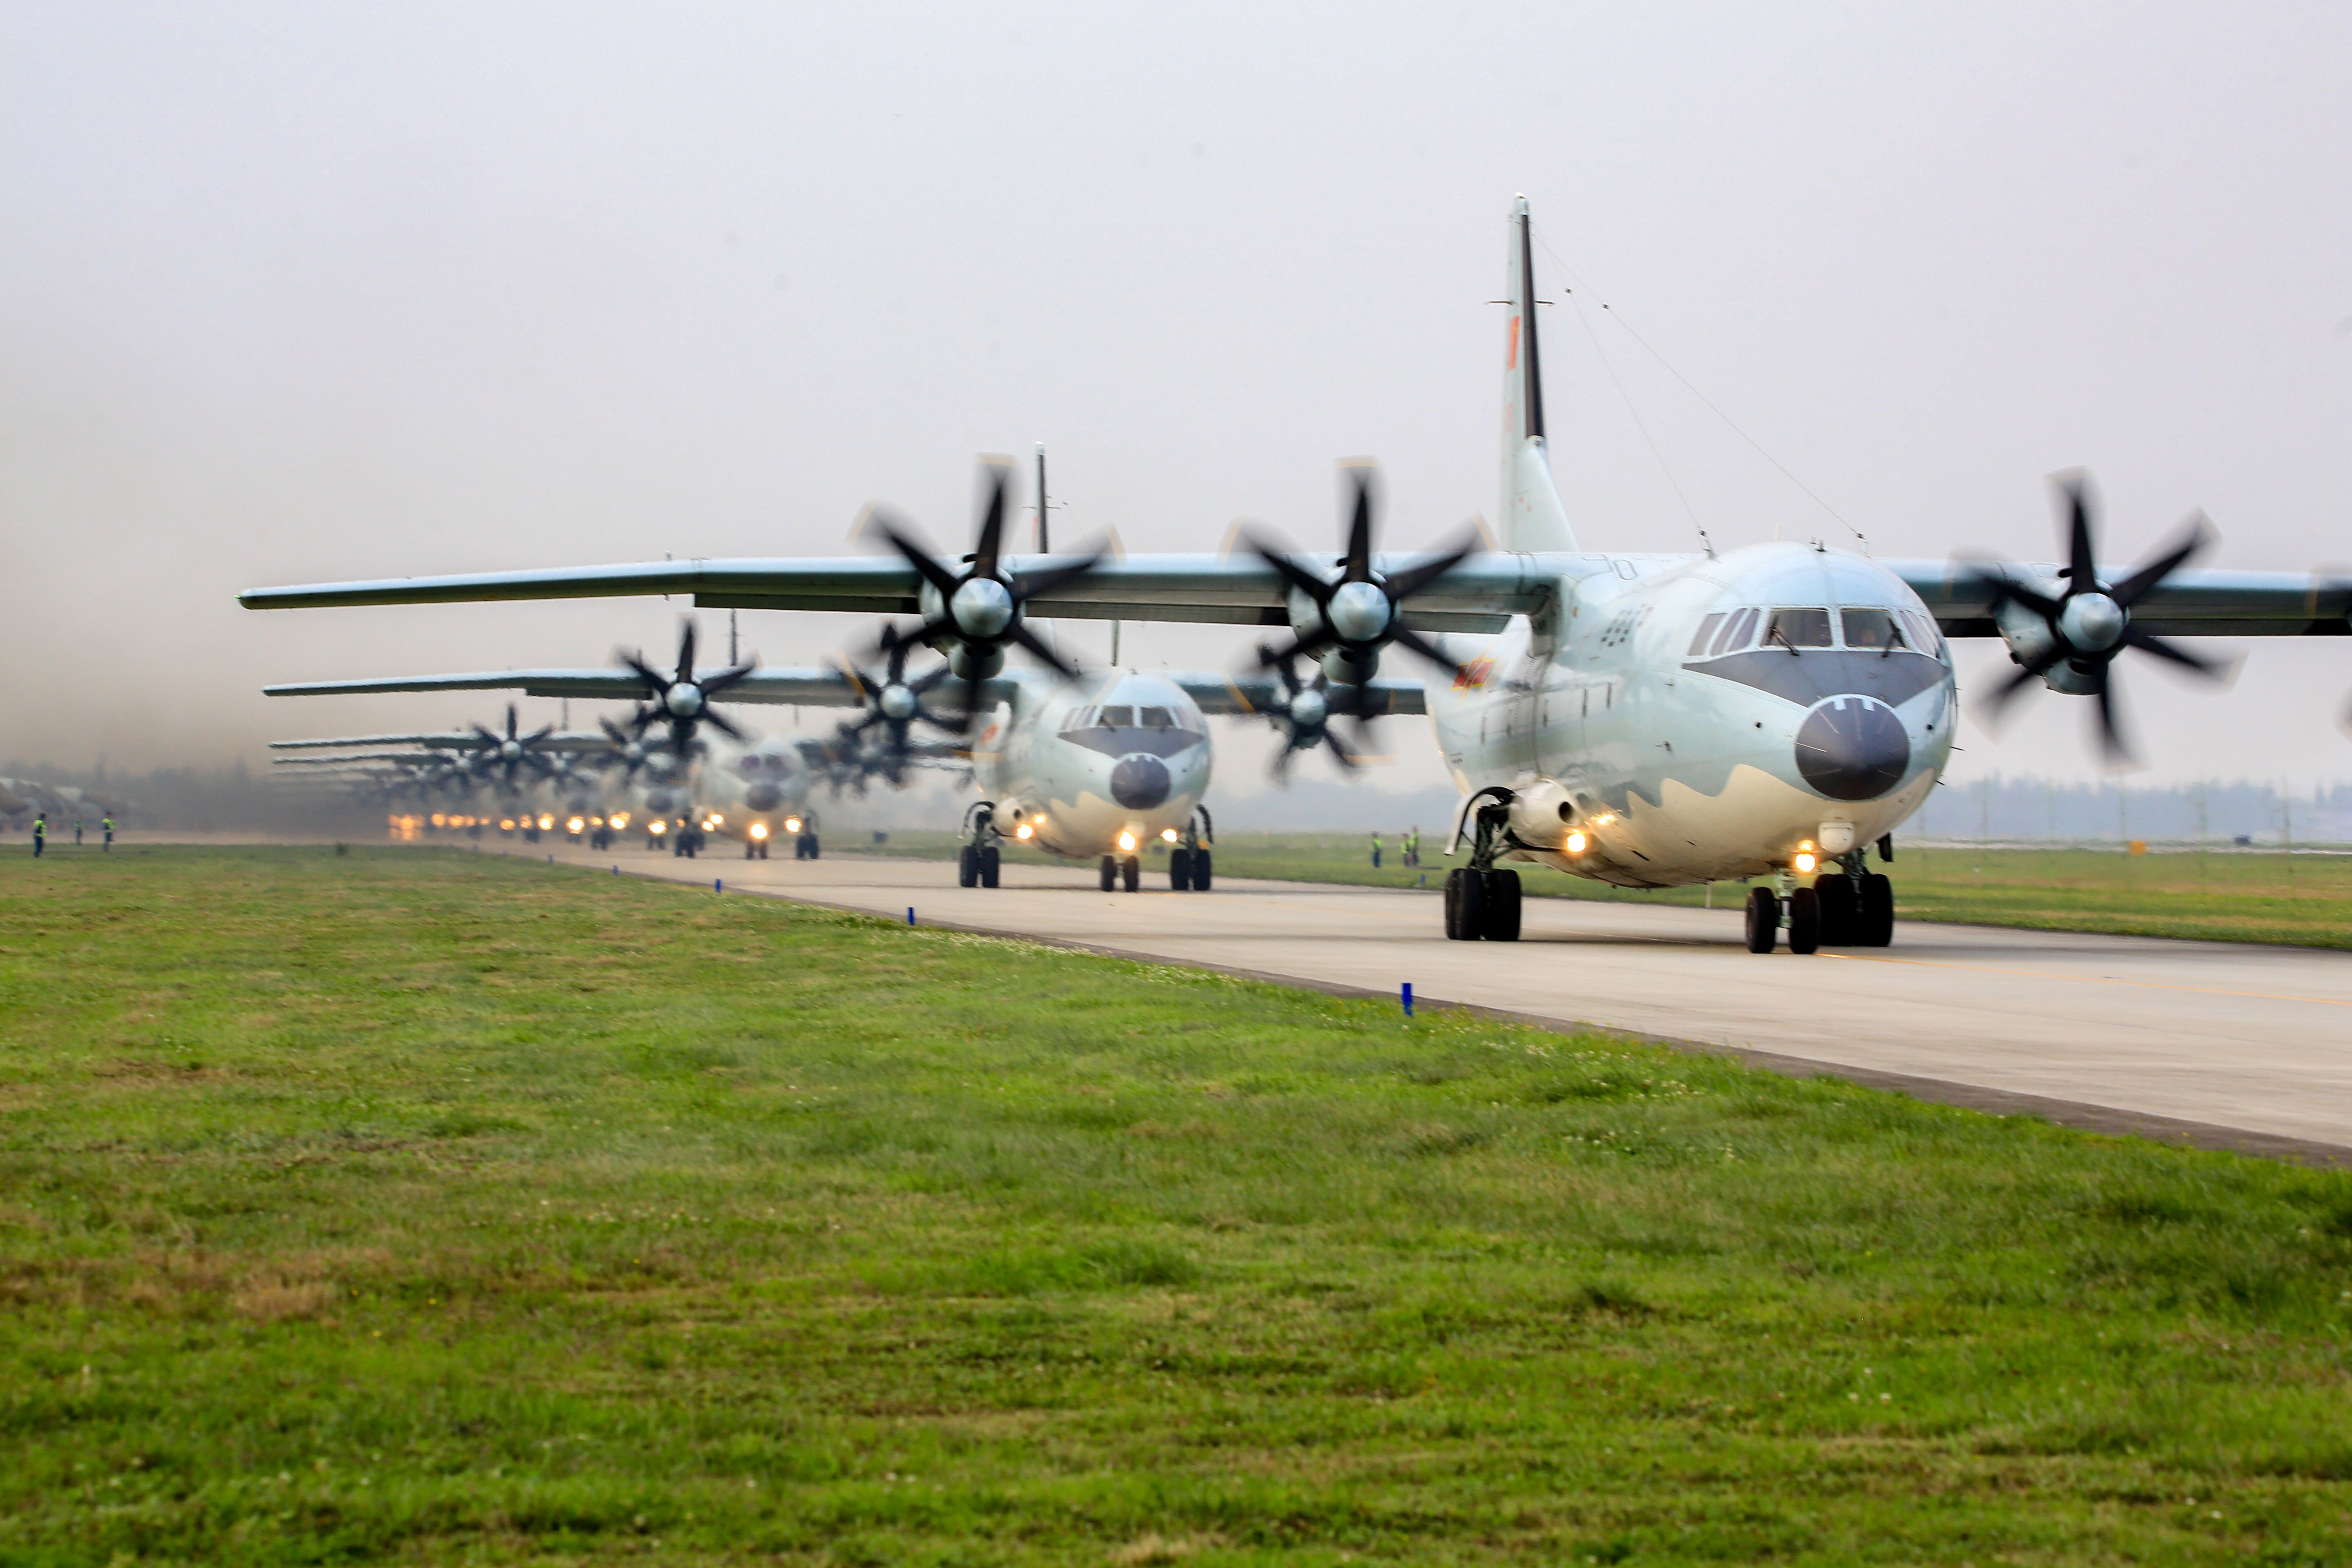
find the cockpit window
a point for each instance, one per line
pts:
(1706, 629)
(1158, 719)
(1872, 629)
(1924, 635)
(1735, 634)
(1118, 717)
(1798, 628)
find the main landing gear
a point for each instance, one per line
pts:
(1188, 864)
(979, 858)
(1482, 900)
(1847, 907)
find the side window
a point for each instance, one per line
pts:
(1735, 634)
(1925, 635)
(1871, 629)
(1798, 628)
(1706, 630)
(1119, 717)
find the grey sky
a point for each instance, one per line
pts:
(293, 292)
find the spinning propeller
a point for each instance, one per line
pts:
(2071, 639)
(975, 614)
(897, 704)
(1305, 715)
(503, 756)
(1360, 612)
(682, 700)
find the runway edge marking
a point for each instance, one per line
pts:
(2078, 1115)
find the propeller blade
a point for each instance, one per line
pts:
(1405, 636)
(2148, 642)
(1404, 584)
(1358, 567)
(720, 680)
(2197, 535)
(655, 681)
(511, 720)
(937, 575)
(541, 733)
(1036, 644)
(992, 522)
(2000, 585)
(2111, 735)
(1310, 644)
(928, 679)
(686, 651)
(720, 723)
(1999, 697)
(2082, 555)
(1307, 583)
(1031, 585)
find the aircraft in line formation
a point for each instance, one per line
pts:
(1644, 718)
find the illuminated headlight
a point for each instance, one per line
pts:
(506, 825)
(1805, 861)
(1169, 833)
(620, 819)
(658, 828)
(439, 821)
(759, 830)
(546, 821)
(575, 824)
(1576, 841)
(715, 820)
(791, 824)
(1023, 831)
(1127, 842)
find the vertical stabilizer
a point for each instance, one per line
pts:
(1532, 516)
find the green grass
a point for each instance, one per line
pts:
(2222, 896)
(428, 1206)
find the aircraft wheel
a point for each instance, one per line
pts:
(1763, 919)
(968, 866)
(1131, 873)
(1876, 917)
(1109, 872)
(1465, 904)
(817, 847)
(1200, 869)
(1841, 918)
(1804, 920)
(1180, 870)
(1499, 919)
(991, 860)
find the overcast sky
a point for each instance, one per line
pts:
(292, 293)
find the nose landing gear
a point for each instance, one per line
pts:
(980, 860)
(1482, 900)
(1847, 907)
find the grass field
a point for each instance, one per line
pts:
(425, 1206)
(2219, 896)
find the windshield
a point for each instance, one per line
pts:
(1872, 629)
(1798, 628)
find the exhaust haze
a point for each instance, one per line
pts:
(289, 293)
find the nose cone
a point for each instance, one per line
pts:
(1139, 782)
(763, 797)
(1852, 748)
(661, 801)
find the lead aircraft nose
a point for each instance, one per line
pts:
(1853, 748)
(1139, 782)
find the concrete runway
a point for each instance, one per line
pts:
(2219, 1043)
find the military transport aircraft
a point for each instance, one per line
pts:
(1645, 719)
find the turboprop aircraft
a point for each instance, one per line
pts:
(1645, 719)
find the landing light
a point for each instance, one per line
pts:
(1169, 833)
(575, 824)
(546, 821)
(658, 828)
(1127, 842)
(619, 819)
(791, 824)
(506, 825)
(759, 830)
(1805, 861)
(1575, 842)
(714, 820)
(1023, 831)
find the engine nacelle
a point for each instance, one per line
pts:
(1541, 812)
(2029, 637)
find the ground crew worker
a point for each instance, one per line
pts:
(106, 826)
(1376, 851)
(76, 832)
(1412, 847)
(40, 833)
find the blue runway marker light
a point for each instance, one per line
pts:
(910, 914)
(551, 859)
(717, 884)
(1408, 998)
(616, 870)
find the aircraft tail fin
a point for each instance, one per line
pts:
(1532, 516)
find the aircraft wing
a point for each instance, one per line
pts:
(450, 740)
(815, 687)
(415, 757)
(1481, 595)
(2191, 603)
(1243, 694)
